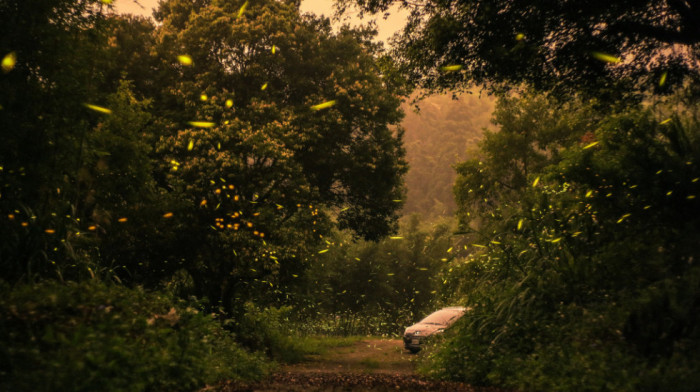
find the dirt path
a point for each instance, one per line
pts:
(386, 356)
(375, 365)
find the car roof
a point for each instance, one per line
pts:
(445, 315)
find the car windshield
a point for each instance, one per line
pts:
(442, 317)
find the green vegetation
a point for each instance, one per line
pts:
(203, 196)
(377, 288)
(601, 48)
(93, 336)
(583, 273)
(207, 156)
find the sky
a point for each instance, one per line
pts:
(386, 27)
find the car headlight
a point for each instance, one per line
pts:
(417, 333)
(440, 330)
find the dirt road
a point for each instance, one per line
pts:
(375, 365)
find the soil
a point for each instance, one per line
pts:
(375, 365)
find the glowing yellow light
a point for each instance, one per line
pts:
(605, 57)
(662, 80)
(264, 86)
(589, 193)
(590, 145)
(396, 238)
(190, 145)
(520, 224)
(8, 62)
(202, 124)
(623, 218)
(122, 220)
(537, 181)
(274, 49)
(323, 105)
(242, 9)
(168, 215)
(519, 36)
(49, 231)
(106, 1)
(666, 121)
(92, 228)
(203, 97)
(451, 68)
(98, 108)
(184, 59)
(323, 251)
(229, 103)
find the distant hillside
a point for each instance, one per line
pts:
(437, 137)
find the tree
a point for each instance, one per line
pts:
(51, 73)
(271, 130)
(569, 46)
(589, 272)
(533, 130)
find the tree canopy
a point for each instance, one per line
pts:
(602, 47)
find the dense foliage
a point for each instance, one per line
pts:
(604, 48)
(377, 287)
(90, 336)
(209, 155)
(583, 277)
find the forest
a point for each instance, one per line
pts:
(204, 196)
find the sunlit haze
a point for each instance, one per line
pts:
(386, 27)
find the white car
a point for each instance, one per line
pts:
(435, 323)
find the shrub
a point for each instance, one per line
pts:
(91, 336)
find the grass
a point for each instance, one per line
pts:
(319, 344)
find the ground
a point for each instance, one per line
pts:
(369, 364)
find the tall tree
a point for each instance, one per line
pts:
(272, 128)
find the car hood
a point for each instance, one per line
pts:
(425, 329)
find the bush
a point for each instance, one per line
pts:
(270, 330)
(587, 280)
(91, 336)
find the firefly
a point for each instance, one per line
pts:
(323, 105)
(8, 62)
(242, 9)
(98, 108)
(184, 59)
(451, 68)
(605, 57)
(202, 124)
